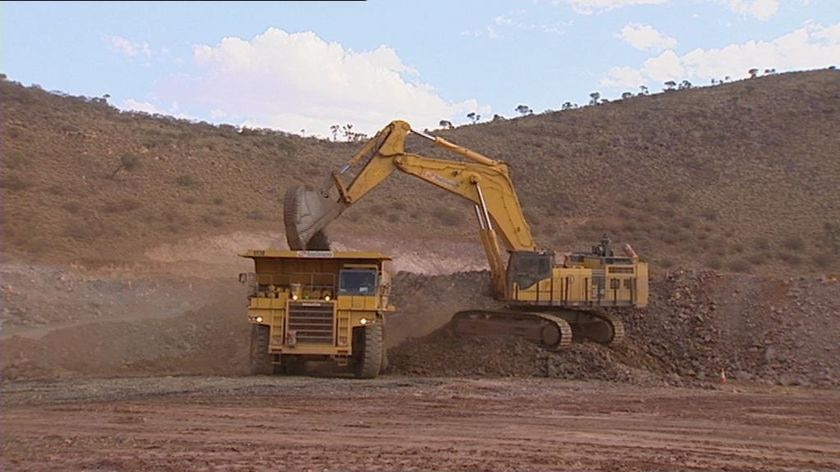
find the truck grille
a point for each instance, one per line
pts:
(312, 322)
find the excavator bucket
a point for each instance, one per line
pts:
(306, 212)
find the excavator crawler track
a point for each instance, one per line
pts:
(547, 330)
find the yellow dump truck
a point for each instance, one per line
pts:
(322, 306)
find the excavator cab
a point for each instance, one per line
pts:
(525, 268)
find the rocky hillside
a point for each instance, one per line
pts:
(741, 177)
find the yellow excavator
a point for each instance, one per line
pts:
(549, 301)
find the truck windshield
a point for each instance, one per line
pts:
(357, 282)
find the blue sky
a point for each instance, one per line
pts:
(302, 65)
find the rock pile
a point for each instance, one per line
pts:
(698, 324)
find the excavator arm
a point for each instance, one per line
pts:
(483, 181)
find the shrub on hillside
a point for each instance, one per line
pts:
(185, 180)
(761, 244)
(824, 261)
(73, 207)
(16, 160)
(122, 205)
(794, 243)
(128, 162)
(256, 215)
(739, 265)
(790, 259)
(757, 259)
(84, 230)
(213, 220)
(709, 214)
(14, 183)
(446, 215)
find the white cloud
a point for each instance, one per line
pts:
(136, 105)
(623, 78)
(173, 110)
(646, 37)
(519, 19)
(761, 9)
(129, 48)
(294, 81)
(664, 67)
(488, 32)
(829, 35)
(811, 47)
(588, 7)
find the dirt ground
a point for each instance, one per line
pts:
(409, 423)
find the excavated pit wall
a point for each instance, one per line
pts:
(698, 323)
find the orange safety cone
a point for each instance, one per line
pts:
(723, 376)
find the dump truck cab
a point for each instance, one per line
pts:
(317, 306)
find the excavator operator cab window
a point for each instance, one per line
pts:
(357, 282)
(527, 268)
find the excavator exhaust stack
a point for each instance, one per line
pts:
(306, 212)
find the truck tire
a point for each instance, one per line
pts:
(384, 367)
(260, 358)
(368, 352)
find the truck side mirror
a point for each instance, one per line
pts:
(243, 278)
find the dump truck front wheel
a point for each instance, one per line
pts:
(367, 350)
(260, 358)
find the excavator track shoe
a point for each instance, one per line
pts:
(606, 329)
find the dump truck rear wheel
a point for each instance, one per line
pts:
(260, 358)
(368, 351)
(385, 362)
(384, 366)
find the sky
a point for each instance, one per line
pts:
(304, 66)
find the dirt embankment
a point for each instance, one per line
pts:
(698, 322)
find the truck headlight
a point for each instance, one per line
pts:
(258, 319)
(363, 321)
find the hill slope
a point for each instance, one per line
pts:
(742, 176)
